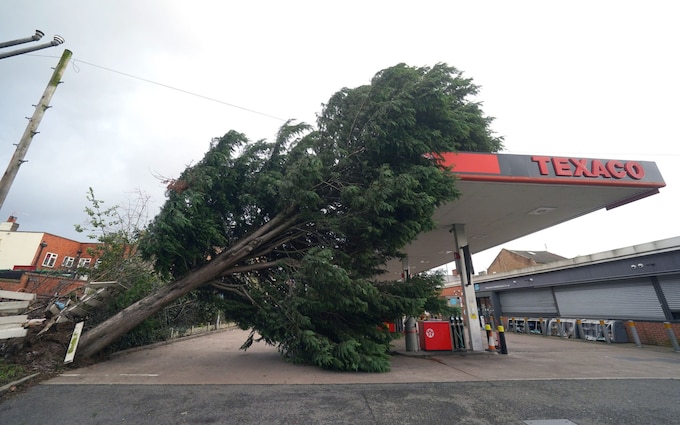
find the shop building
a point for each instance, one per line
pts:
(639, 283)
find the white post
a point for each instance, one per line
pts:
(410, 326)
(634, 332)
(671, 336)
(471, 315)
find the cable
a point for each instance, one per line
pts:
(212, 99)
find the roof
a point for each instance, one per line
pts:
(539, 257)
(504, 197)
(628, 256)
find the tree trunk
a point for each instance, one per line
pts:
(116, 326)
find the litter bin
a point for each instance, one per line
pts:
(435, 335)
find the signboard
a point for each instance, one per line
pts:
(552, 169)
(71, 352)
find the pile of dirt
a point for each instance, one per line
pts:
(43, 354)
(46, 352)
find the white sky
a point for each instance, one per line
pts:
(584, 79)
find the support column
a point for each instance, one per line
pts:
(410, 326)
(496, 305)
(405, 270)
(469, 296)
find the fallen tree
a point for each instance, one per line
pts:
(293, 233)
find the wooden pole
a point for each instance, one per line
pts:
(32, 127)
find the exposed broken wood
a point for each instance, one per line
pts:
(13, 307)
(13, 319)
(33, 323)
(96, 295)
(18, 332)
(11, 324)
(21, 296)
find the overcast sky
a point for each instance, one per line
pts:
(585, 79)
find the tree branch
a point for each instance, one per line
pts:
(259, 266)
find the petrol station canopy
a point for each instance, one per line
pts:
(505, 196)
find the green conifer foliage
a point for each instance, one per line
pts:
(294, 233)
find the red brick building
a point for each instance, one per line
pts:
(40, 262)
(509, 260)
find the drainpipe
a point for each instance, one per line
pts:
(43, 245)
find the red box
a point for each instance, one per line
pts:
(435, 335)
(389, 327)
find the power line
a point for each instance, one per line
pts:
(212, 99)
(167, 86)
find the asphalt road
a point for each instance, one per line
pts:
(207, 380)
(643, 402)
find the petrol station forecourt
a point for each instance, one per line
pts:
(507, 196)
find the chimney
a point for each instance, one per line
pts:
(10, 225)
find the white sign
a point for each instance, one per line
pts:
(71, 352)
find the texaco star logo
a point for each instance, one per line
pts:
(430, 333)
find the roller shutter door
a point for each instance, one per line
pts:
(670, 286)
(528, 302)
(630, 299)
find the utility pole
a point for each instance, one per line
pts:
(32, 127)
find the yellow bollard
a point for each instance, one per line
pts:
(501, 340)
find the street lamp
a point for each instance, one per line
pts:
(38, 35)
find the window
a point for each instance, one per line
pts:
(84, 262)
(68, 261)
(50, 259)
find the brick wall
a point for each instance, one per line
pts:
(654, 333)
(43, 286)
(63, 247)
(508, 261)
